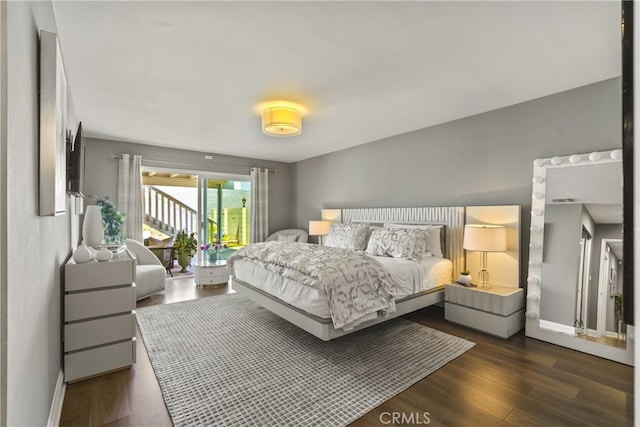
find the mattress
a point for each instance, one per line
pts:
(411, 278)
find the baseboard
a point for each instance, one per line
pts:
(557, 327)
(56, 404)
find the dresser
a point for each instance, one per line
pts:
(99, 316)
(497, 310)
(211, 273)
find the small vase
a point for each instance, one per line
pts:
(464, 279)
(104, 255)
(81, 254)
(213, 257)
(92, 227)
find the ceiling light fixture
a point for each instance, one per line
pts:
(282, 120)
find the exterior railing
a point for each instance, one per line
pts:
(168, 214)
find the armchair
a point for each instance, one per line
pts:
(150, 273)
(290, 234)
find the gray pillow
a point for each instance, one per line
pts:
(406, 243)
(433, 245)
(348, 235)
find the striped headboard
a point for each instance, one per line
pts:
(452, 217)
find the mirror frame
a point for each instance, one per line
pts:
(536, 243)
(628, 158)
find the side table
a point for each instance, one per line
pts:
(211, 274)
(497, 310)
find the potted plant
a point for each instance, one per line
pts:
(465, 278)
(213, 249)
(113, 220)
(185, 246)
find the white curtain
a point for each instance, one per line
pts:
(130, 195)
(259, 205)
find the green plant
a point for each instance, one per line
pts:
(113, 220)
(618, 302)
(185, 243)
(465, 272)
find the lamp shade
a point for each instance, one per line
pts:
(281, 121)
(333, 215)
(485, 238)
(319, 228)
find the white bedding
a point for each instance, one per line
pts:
(411, 278)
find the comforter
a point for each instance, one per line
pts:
(355, 284)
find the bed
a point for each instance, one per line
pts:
(418, 279)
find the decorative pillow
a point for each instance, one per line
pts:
(433, 246)
(287, 238)
(407, 243)
(350, 235)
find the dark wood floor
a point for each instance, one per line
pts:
(520, 381)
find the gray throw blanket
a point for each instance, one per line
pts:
(355, 284)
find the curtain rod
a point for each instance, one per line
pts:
(196, 165)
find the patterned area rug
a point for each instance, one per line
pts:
(223, 360)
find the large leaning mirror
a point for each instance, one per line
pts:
(575, 290)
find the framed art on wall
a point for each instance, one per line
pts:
(53, 134)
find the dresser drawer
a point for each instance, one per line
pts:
(86, 305)
(95, 274)
(98, 360)
(98, 332)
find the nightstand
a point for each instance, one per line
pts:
(211, 274)
(99, 316)
(497, 310)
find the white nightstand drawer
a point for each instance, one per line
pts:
(211, 275)
(500, 326)
(95, 274)
(86, 305)
(496, 299)
(98, 332)
(497, 310)
(98, 360)
(213, 272)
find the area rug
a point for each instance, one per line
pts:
(223, 360)
(176, 274)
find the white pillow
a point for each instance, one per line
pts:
(350, 235)
(433, 244)
(406, 243)
(287, 238)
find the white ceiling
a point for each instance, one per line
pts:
(597, 186)
(189, 74)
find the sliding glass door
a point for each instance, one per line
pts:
(223, 212)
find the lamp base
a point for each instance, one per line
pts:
(483, 279)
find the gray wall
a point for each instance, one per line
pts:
(603, 231)
(101, 176)
(560, 264)
(480, 160)
(38, 247)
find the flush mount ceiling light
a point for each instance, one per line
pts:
(281, 118)
(281, 121)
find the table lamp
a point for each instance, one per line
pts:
(319, 228)
(484, 238)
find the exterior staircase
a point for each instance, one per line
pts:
(167, 214)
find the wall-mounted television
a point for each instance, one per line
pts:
(75, 163)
